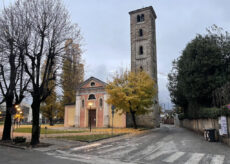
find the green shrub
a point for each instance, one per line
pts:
(225, 111)
(181, 116)
(205, 113)
(209, 113)
(19, 139)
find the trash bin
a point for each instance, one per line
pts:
(209, 135)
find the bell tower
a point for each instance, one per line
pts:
(143, 56)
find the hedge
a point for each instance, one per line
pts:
(181, 116)
(205, 113)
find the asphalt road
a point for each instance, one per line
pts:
(167, 144)
(17, 156)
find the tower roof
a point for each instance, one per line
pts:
(143, 9)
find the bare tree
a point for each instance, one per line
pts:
(13, 80)
(50, 28)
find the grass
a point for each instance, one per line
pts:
(119, 130)
(48, 131)
(43, 126)
(88, 138)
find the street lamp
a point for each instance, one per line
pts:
(113, 108)
(17, 108)
(90, 104)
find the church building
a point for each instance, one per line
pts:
(91, 107)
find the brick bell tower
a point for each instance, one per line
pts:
(143, 57)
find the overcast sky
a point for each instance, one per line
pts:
(105, 26)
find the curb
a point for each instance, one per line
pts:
(104, 138)
(13, 146)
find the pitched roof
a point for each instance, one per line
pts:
(90, 79)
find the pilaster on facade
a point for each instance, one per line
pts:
(106, 111)
(77, 111)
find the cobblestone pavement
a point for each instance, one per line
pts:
(167, 144)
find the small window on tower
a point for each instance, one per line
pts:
(141, 68)
(141, 50)
(142, 18)
(138, 18)
(140, 32)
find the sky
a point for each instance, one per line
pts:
(105, 27)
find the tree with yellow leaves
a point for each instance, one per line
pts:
(132, 93)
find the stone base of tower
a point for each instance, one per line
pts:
(150, 120)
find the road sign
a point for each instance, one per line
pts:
(113, 109)
(228, 106)
(223, 125)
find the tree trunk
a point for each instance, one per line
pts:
(35, 125)
(51, 116)
(7, 123)
(51, 121)
(134, 119)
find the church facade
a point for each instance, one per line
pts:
(91, 107)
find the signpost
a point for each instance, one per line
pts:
(113, 108)
(224, 127)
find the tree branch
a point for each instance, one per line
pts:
(3, 76)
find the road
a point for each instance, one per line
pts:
(167, 144)
(10, 155)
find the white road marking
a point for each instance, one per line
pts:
(145, 152)
(195, 158)
(91, 159)
(95, 149)
(157, 154)
(121, 153)
(105, 146)
(87, 158)
(86, 147)
(174, 157)
(218, 159)
(111, 149)
(43, 149)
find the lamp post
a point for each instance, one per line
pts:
(113, 108)
(90, 104)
